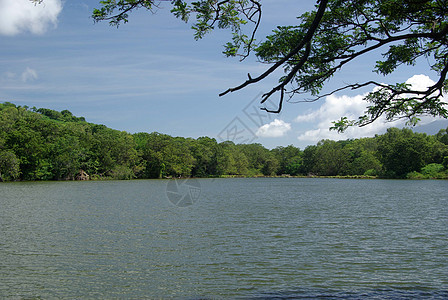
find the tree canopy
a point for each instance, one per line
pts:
(324, 41)
(44, 144)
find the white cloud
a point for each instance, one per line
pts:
(276, 128)
(18, 16)
(29, 75)
(420, 82)
(335, 107)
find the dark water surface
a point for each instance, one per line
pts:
(263, 238)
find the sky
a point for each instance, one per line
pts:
(150, 75)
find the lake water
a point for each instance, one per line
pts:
(253, 238)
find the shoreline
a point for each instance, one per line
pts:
(230, 177)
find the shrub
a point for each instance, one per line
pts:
(371, 172)
(415, 175)
(432, 170)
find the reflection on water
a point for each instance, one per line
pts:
(249, 238)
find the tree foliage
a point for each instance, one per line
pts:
(34, 146)
(324, 41)
(403, 151)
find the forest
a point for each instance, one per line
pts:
(44, 144)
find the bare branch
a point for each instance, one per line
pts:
(280, 103)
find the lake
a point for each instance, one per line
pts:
(254, 238)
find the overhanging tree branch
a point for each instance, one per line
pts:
(286, 81)
(303, 43)
(326, 41)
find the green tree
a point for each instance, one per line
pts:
(115, 151)
(260, 160)
(204, 152)
(30, 147)
(26, 135)
(433, 170)
(362, 158)
(270, 166)
(309, 160)
(177, 158)
(442, 136)
(149, 147)
(445, 162)
(65, 156)
(337, 34)
(437, 149)
(289, 158)
(403, 151)
(230, 160)
(225, 163)
(9, 166)
(330, 158)
(80, 141)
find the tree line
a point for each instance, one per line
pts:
(44, 144)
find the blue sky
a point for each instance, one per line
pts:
(151, 75)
